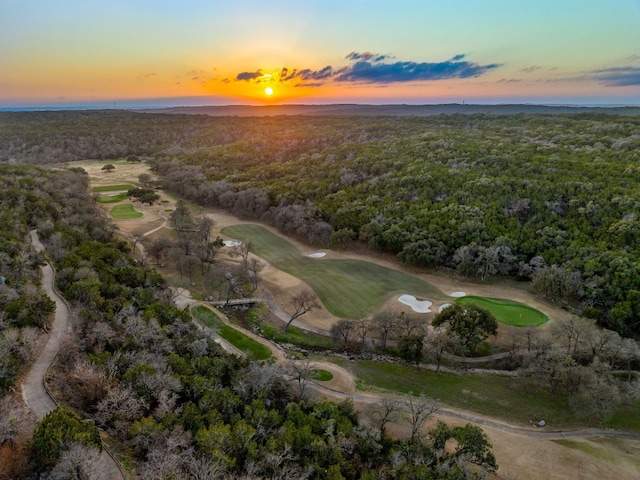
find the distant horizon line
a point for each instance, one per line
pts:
(139, 105)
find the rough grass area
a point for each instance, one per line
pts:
(113, 188)
(507, 311)
(124, 212)
(238, 339)
(112, 198)
(321, 375)
(347, 288)
(296, 336)
(513, 399)
(612, 451)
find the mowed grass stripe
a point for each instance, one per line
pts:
(113, 188)
(238, 339)
(347, 288)
(508, 311)
(112, 198)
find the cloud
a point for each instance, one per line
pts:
(148, 75)
(633, 58)
(306, 74)
(374, 68)
(618, 76)
(530, 69)
(379, 72)
(249, 75)
(367, 57)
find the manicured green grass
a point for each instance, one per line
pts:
(321, 375)
(296, 336)
(348, 288)
(112, 198)
(113, 188)
(507, 311)
(238, 339)
(124, 212)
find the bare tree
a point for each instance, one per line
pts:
(385, 323)
(300, 371)
(437, 342)
(302, 302)
(385, 412)
(233, 284)
(144, 179)
(205, 224)
(255, 266)
(77, 462)
(515, 343)
(363, 325)
(242, 251)
(409, 324)
(341, 330)
(419, 410)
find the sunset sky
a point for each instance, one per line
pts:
(212, 52)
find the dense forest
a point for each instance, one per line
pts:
(171, 401)
(550, 199)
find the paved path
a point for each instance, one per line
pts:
(34, 393)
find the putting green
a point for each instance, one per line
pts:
(507, 311)
(347, 288)
(124, 212)
(321, 375)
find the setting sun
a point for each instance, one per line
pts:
(268, 91)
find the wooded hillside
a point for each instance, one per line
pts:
(551, 199)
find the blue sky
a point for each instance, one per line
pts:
(357, 51)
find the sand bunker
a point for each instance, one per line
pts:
(316, 255)
(457, 294)
(232, 243)
(443, 306)
(420, 306)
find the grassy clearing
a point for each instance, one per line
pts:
(113, 188)
(347, 288)
(516, 400)
(239, 340)
(296, 336)
(112, 198)
(507, 311)
(321, 375)
(124, 212)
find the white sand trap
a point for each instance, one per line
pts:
(458, 294)
(316, 255)
(232, 243)
(443, 306)
(415, 304)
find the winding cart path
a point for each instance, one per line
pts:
(34, 392)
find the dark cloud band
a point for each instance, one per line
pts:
(367, 67)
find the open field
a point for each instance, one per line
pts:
(507, 311)
(348, 288)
